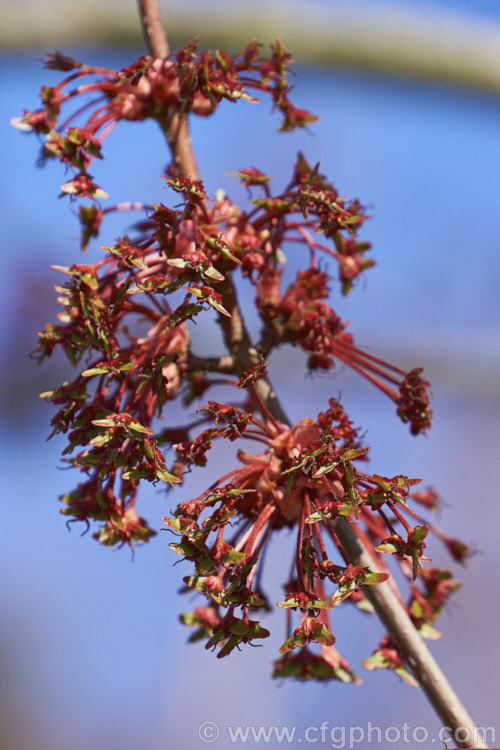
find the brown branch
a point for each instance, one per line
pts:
(152, 27)
(244, 354)
(403, 632)
(176, 130)
(272, 337)
(175, 125)
(223, 364)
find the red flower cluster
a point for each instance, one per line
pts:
(307, 477)
(128, 317)
(149, 88)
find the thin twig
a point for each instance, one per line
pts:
(152, 27)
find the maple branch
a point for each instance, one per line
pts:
(176, 130)
(152, 27)
(403, 632)
(244, 354)
(224, 364)
(175, 125)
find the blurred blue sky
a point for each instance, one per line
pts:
(482, 8)
(94, 653)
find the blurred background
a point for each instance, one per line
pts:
(91, 650)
